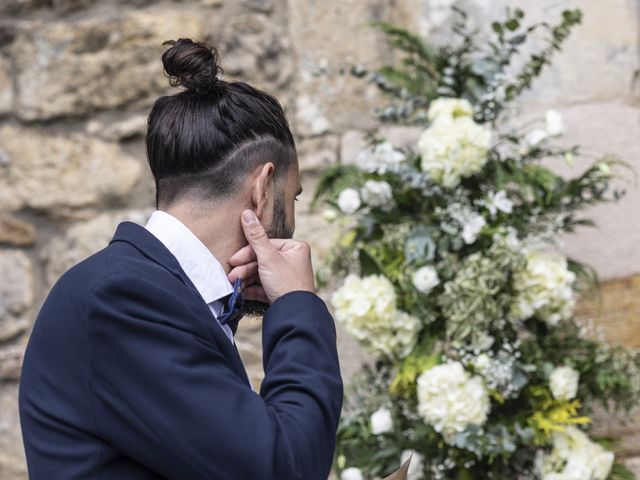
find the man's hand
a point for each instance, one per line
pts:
(270, 267)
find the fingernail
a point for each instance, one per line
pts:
(249, 217)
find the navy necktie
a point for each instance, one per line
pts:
(233, 307)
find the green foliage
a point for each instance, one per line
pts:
(475, 247)
(470, 68)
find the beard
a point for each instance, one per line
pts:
(279, 228)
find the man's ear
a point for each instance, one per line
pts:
(262, 186)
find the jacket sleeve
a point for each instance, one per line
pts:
(167, 397)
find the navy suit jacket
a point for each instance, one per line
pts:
(127, 375)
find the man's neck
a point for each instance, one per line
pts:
(221, 232)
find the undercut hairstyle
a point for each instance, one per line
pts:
(204, 140)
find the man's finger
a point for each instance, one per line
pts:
(246, 254)
(243, 271)
(256, 235)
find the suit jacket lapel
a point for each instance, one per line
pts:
(153, 249)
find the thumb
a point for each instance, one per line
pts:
(256, 235)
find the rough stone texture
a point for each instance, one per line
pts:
(16, 232)
(318, 153)
(6, 87)
(615, 314)
(255, 46)
(633, 464)
(616, 310)
(117, 130)
(45, 171)
(82, 239)
(77, 78)
(609, 248)
(12, 463)
(95, 64)
(11, 362)
(16, 293)
(328, 101)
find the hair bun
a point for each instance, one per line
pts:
(192, 65)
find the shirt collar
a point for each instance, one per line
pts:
(199, 264)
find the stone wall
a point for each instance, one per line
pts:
(77, 78)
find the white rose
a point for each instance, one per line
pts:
(535, 137)
(381, 421)
(349, 200)
(563, 383)
(351, 473)
(472, 227)
(499, 202)
(379, 158)
(377, 194)
(425, 279)
(554, 123)
(416, 465)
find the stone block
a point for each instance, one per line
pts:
(118, 129)
(74, 68)
(6, 86)
(12, 462)
(82, 239)
(11, 361)
(317, 153)
(254, 48)
(615, 310)
(16, 293)
(16, 232)
(50, 172)
(352, 143)
(329, 38)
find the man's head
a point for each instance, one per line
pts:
(217, 141)
(220, 147)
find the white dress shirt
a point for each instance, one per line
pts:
(201, 266)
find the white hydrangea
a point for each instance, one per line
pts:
(416, 466)
(544, 288)
(450, 399)
(381, 421)
(377, 194)
(563, 383)
(573, 457)
(425, 279)
(379, 158)
(349, 200)
(367, 308)
(454, 145)
(351, 473)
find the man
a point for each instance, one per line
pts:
(131, 371)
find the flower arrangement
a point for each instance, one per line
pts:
(453, 282)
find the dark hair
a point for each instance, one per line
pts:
(206, 138)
